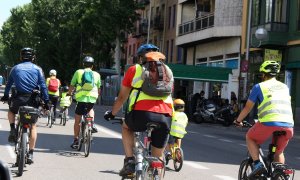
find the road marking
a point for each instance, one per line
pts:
(194, 165)
(109, 132)
(11, 152)
(226, 140)
(244, 145)
(0, 126)
(224, 177)
(210, 136)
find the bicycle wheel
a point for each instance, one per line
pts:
(88, 141)
(22, 153)
(279, 175)
(178, 159)
(245, 169)
(138, 175)
(64, 116)
(52, 118)
(48, 118)
(81, 135)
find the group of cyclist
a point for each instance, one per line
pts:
(274, 109)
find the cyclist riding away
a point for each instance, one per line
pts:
(142, 109)
(274, 114)
(65, 100)
(87, 83)
(53, 85)
(178, 125)
(26, 77)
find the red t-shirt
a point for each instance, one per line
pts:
(146, 105)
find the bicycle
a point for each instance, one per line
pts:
(146, 166)
(85, 134)
(50, 117)
(63, 118)
(275, 170)
(176, 155)
(27, 116)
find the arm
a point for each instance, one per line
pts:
(9, 83)
(41, 82)
(123, 95)
(248, 107)
(73, 83)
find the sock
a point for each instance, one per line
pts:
(12, 126)
(30, 151)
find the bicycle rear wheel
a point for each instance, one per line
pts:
(22, 153)
(81, 137)
(64, 116)
(178, 159)
(88, 141)
(245, 169)
(279, 175)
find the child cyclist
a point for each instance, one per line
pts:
(179, 123)
(65, 101)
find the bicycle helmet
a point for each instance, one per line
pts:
(27, 54)
(65, 88)
(270, 67)
(52, 72)
(143, 49)
(179, 105)
(88, 61)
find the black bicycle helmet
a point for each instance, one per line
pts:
(27, 54)
(143, 49)
(65, 88)
(270, 67)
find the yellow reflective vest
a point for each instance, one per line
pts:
(179, 123)
(137, 83)
(65, 101)
(276, 104)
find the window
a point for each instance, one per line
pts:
(255, 12)
(170, 12)
(299, 15)
(167, 51)
(268, 11)
(172, 49)
(174, 16)
(179, 55)
(232, 63)
(276, 11)
(201, 60)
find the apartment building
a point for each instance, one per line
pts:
(209, 33)
(281, 20)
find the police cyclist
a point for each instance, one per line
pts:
(145, 108)
(26, 76)
(274, 114)
(85, 97)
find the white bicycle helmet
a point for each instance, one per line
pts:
(52, 72)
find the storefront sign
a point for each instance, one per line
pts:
(273, 55)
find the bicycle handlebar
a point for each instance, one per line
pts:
(245, 124)
(119, 120)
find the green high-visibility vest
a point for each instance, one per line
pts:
(179, 123)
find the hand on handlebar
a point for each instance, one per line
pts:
(236, 123)
(108, 115)
(4, 98)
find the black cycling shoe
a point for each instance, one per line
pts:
(12, 138)
(75, 144)
(258, 169)
(30, 158)
(168, 157)
(94, 129)
(128, 168)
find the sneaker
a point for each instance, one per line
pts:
(94, 128)
(168, 157)
(30, 158)
(75, 144)
(258, 169)
(12, 138)
(128, 168)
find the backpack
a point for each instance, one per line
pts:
(87, 80)
(53, 85)
(158, 78)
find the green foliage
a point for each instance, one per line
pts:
(63, 31)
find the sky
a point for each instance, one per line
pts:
(6, 6)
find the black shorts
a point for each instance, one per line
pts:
(53, 99)
(83, 108)
(172, 139)
(159, 136)
(20, 100)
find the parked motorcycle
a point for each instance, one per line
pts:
(209, 112)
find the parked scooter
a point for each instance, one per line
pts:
(209, 112)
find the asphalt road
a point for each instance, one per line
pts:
(212, 152)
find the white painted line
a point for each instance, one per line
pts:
(109, 132)
(224, 177)
(226, 140)
(11, 151)
(194, 165)
(0, 126)
(243, 145)
(210, 136)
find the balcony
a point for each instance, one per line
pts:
(158, 23)
(198, 24)
(141, 29)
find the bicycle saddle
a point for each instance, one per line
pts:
(153, 125)
(279, 133)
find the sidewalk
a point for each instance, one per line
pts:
(102, 109)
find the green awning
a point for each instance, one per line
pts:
(293, 65)
(200, 73)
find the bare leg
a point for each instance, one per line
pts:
(33, 137)
(253, 148)
(11, 117)
(128, 142)
(279, 158)
(76, 125)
